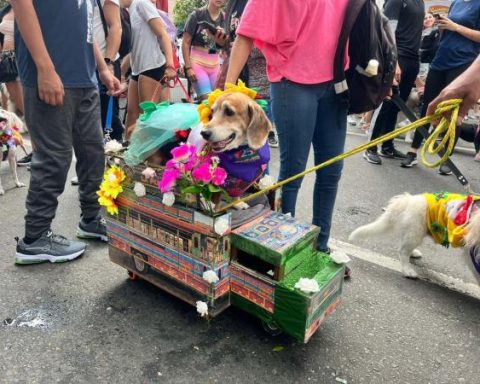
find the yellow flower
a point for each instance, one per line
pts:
(110, 189)
(204, 109)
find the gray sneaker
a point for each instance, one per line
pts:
(49, 247)
(95, 229)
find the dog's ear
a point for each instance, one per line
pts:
(258, 127)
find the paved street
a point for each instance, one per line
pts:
(84, 322)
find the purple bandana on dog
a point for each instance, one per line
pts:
(244, 166)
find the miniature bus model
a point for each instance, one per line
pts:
(257, 264)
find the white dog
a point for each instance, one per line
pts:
(448, 218)
(10, 139)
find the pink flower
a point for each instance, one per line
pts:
(202, 173)
(169, 179)
(183, 153)
(218, 176)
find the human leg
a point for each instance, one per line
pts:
(202, 85)
(133, 108)
(328, 142)
(16, 94)
(295, 111)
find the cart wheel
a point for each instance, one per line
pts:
(271, 327)
(132, 276)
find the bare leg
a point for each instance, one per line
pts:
(16, 94)
(133, 110)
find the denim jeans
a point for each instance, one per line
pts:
(308, 115)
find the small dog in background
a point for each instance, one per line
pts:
(10, 139)
(450, 219)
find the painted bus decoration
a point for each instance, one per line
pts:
(257, 264)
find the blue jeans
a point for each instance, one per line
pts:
(306, 115)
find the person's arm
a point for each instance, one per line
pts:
(444, 23)
(466, 87)
(111, 11)
(106, 77)
(186, 45)
(159, 29)
(50, 87)
(238, 57)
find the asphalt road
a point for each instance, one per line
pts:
(84, 322)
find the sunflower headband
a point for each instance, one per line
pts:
(205, 109)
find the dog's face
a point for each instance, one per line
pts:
(236, 120)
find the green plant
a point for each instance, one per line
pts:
(182, 10)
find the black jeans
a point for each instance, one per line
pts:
(117, 126)
(387, 117)
(436, 81)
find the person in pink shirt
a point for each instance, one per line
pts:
(298, 39)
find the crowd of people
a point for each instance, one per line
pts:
(129, 47)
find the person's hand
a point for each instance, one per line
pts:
(191, 75)
(466, 87)
(220, 37)
(111, 82)
(444, 23)
(170, 73)
(50, 87)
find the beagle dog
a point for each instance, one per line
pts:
(237, 133)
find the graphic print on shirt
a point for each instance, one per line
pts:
(89, 4)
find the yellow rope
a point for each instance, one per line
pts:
(446, 126)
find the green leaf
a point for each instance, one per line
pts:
(214, 188)
(278, 348)
(195, 189)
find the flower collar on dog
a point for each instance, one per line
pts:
(205, 109)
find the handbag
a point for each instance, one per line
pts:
(8, 67)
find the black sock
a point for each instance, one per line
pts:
(30, 240)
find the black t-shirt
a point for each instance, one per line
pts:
(409, 14)
(233, 17)
(200, 35)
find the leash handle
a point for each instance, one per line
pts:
(108, 120)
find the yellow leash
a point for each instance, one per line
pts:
(446, 127)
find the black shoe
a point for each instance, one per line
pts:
(25, 161)
(392, 153)
(444, 170)
(272, 139)
(372, 157)
(95, 229)
(410, 160)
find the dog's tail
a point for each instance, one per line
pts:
(385, 223)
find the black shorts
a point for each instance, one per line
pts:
(155, 74)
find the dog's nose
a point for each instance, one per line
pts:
(206, 134)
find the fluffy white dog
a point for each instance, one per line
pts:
(449, 219)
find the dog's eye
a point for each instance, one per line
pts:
(228, 111)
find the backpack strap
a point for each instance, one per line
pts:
(102, 16)
(351, 13)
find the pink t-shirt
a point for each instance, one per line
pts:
(298, 37)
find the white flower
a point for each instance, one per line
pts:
(265, 182)
(149, 173)
(210, 277)
(117, 161)
(168, 199)
(202, 308)
(339, 257)
(307, 285)
(215, 160)
(221, 226)
(113, 146)
(139, 189)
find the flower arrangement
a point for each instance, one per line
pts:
(205, 109)
(197, 174)
(110, 188)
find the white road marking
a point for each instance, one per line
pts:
(426, 274)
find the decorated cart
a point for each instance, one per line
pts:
(265, 264)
